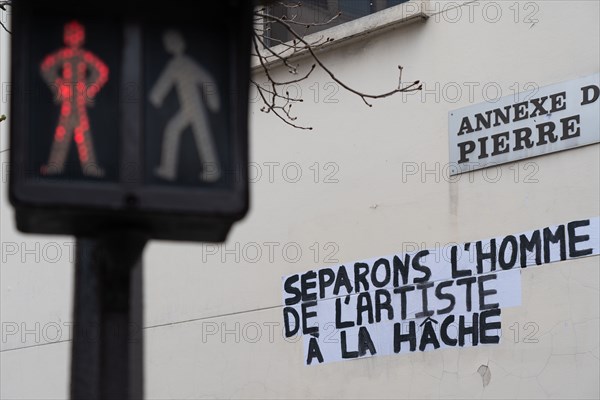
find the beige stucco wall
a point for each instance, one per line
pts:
(193, 292)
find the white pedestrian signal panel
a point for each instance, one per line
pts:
(189, 79)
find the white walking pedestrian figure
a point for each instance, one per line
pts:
(185, 75)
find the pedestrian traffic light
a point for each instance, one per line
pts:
(129, 115)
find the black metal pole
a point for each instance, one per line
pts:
(107, 352)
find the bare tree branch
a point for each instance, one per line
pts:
(267, 57)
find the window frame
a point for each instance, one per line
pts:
(392, 17)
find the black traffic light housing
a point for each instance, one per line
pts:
(129, 116)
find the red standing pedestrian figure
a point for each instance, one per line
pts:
(77, 75)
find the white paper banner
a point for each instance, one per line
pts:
(360, 309)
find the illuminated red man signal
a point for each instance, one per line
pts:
(77, 75)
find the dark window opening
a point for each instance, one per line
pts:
(319, 12)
